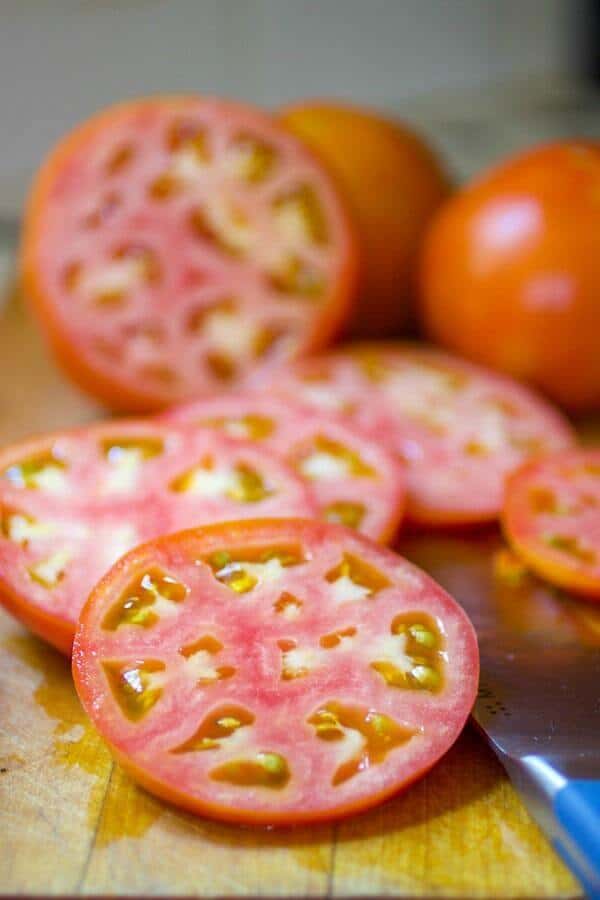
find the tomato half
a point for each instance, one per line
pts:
(511, 268)
(274, 672)
(393, 183)
(552, 518)
(458, 428)
(353, 480)
(71, 503)
(170, 244)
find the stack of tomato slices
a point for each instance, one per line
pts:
(73, 502)
(242, 639)
(458, 428)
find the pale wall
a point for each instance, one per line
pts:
(62, 59)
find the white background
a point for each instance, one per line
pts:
(62, 59)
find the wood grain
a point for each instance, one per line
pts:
(72, 823)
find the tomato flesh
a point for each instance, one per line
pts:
(171, 244)
(72, 503)
(298, 672)
(458, 428)
(551, 517)
(354, 481)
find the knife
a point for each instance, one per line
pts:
(539, 696)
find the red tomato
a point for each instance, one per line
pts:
(274, 672)
(458, 428)
(393, 183)
(511, 269)
(353, 480)
(173, 243)
(552, 518)
(73, 502)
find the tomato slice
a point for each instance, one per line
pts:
(73, 502)
(552, 518)
(459, 428)
(274, 671)
(172, 244)
(354, 481)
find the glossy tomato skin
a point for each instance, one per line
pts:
(101, 382)
(319, 798)
(570, 500)
(393, 183)
(511, 268)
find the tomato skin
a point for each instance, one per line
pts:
(89, 647)
(229, 813)
(519, 526)
(102, 384)
(393, 182)
(55, 630)
(511, 267)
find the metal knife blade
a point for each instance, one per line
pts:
(539, 696)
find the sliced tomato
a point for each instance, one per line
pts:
(460, 429)
(552, 518)
(354, 481)
(73, 502)
(274, 672)
(172, 244)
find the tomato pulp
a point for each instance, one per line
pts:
(354, 481)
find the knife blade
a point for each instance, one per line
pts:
(539, 697)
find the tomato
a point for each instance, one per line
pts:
(353, 480)
(71, 503)
(511, 268)
(393, 183)
(274, 671)
(551, 517)
(458, 428)
(171, 244)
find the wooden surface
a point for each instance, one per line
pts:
(71, 822)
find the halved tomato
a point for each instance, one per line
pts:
(551, 517)
(459, 428)
(71, 503)
(354, 481)
(171, 244)
(274, 671)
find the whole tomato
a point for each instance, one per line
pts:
(510, 272)
(392, 182)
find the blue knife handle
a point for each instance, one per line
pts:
(567, 808)
(577, 810)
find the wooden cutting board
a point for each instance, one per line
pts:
(72, 823)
